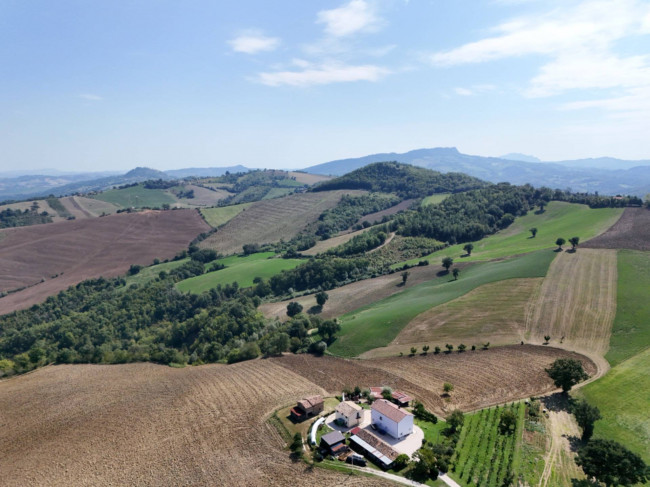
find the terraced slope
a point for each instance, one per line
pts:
(272, 220)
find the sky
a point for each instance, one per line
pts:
(110, 85)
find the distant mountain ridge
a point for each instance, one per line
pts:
(634, 179)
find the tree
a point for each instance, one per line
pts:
(425, 468)
(486, 345)
(401, 461)
(425, 349)
(455, 272)
(611, 463)
(293, 308)
(413, 350)
(533, 231)
(328, 329)
(468, 248)
(566, 372)
(296, 443)
(542, 205)
(436, 349)
(449, 348)
(574, 241)
(447, 262)
(447, 387)
(387, 393)
(547, 338)
(560, 242)
(318, 348)
(508, 422)
(456, 419)
(321, 298)
(405, 276)
(461, 348)
(586, 415)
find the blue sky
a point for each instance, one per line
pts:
(96, 85)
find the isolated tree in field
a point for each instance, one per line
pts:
(328, 329)
(560, 242)
(566, 372)
(508, 422)
(455, 272)
(405, 276)
(425, 349)
(547, 338)
(447, 387)
(321, 298)
(541, 205)
(449, 348)
(586, 415)
(436, 349)
(456, 419)
(533, 231)
(468, 248)
(447, 262)
(611, 463)
(296, 443)
(293, 308)
(462, 347)
(486, 345)
(413, 350)
(574, 241)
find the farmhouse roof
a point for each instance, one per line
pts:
(376, 391)
(310, 402)
(401, 397)
(388, 409)
(348, 408)
(375, 446)
(333, 438)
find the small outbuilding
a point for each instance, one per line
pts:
(374, 448)
(389, 418)
(401, 398)
(307, 407)
(333, 443)
(349, 414)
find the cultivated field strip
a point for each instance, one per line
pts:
(52, 257)
(142, 424)
(631, 231)
(577, 301)
(270, 221)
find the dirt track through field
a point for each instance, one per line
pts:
(270, 221)
(83, 249)
(577, 302)
(148, 425)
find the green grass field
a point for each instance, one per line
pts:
(623, 397)
(150, 273)
(278, 192)
(216, 217)
(137, 197)
(559, 220)
(631, 328)
(483, 455)
(239, 269)
(376, 325)
(434, 199)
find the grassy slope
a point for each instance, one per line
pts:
(434, 198)
(378, 324)
(222, 215)
(150, 273)
(623, 395)
(136, 196)
(559, 220)
(239, 269)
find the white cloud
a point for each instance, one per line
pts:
(322, 74)
(463, 92)
(253, 42)
(90, 96)
(473, 90)
(355, 16)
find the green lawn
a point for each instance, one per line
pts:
(623, 397)
(277, 193)
(239, 269)
(434, 199)
(559, 220)
(137, 197)
(149, 273)
(432, 432)
(223, 214)
(631, 328)
(376, 325)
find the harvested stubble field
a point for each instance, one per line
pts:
(631, 231)
(148, 425)
(377, 217)
(577, 301)
(81, 207)
(84, 249)
(324, 245)
(494, 313)
(202, 196)
(356, 295)
(270, 221)
(480, 378)
(307, 178)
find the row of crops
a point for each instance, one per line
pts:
(485, 455)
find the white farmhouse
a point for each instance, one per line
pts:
(349, 413)
(389, 418)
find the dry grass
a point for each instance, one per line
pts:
(377, 217)
(324, 245)
(270, 221)
(306, 178)
(149, 425)
(82, 249)
(202, 197)
(81, 207)
(577, 301)
(494, 313)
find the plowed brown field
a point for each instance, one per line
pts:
(481, 378)
(148, 425)
(631, 231)
(83, 249)
(270, 221)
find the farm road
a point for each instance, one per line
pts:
(401, 480)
